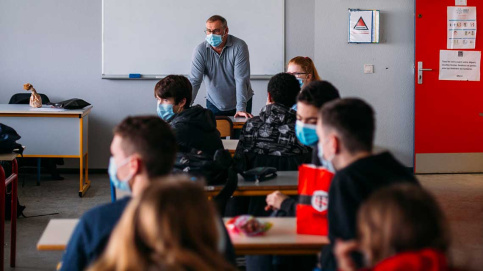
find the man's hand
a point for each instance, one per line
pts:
(342, 252)
(274, 200)
(243, 114)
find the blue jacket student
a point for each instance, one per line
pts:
(143, 150)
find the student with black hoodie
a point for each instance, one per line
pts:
(346, 133)
(195, 126)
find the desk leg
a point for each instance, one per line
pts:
(2, 215)
(84, 182)
(13, 217)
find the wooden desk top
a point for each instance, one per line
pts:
(286, 181)
(57, 234)
(45, 109)
(238, 122)
(8, 156)
(230, 144)
(281, 239)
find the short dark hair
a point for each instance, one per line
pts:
(174, 86)
(215, 18)
(152, 139)
(317, 93)
(353, 120)
(283, 88)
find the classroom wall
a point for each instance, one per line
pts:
(390, 90)
(56, 46)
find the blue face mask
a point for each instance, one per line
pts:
(119, 184)
(165, 111)
(306, 133)
(214, 40)
(301, 82)
(325, 163)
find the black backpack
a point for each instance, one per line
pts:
(8, 140)
(214, 169)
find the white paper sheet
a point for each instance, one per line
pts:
(461, 27)
(459, 65)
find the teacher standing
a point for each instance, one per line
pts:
(222, 60)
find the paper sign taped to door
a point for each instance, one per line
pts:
(459, 65)
(461, 28)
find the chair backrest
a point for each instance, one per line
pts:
(24, 98)
(224, 126)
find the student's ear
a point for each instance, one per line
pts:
(269, 98)
(309, 77)
(182, 103)
(135, 164)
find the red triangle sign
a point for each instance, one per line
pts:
(361, 25)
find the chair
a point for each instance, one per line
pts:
(224, 126)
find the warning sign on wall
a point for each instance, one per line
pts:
(363, 26)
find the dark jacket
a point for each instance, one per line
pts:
(195, 128)
(348, 190)
(271, 138)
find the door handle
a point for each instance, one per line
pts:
(420, 72)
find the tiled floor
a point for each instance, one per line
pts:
(460, 195)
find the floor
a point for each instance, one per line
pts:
(461, 196)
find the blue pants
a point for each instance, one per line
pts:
(218, 112)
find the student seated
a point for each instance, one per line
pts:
(309, 102)
(171, 226)
(303, 68)
(195, 126)
(345, 129)
(143, 149)
(400, 227)
(269, 139)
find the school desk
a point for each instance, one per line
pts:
(238, 122)
(230, 145)
(280, 239)
(285, 181)
(51, 133)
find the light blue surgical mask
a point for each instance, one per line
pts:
(306, 133)
(214, 40)
(112, 170)
(301, 82)
(165, 111)
(325, 163)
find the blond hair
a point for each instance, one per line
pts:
(171, 226)
(307, 65)
(401, 218)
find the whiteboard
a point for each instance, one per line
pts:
(157, 37)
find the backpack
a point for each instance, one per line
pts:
(214, 169)
(8, 140)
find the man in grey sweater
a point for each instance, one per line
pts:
(222, 60)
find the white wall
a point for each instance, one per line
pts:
(390, 90)
(56, 46)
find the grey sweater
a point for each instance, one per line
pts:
(226, 75)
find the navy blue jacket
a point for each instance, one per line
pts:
(91, 236)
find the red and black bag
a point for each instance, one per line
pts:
(314, 184)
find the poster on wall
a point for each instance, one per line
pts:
(461, 27)
(459, 65)
(363, 26)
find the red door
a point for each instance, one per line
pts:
(448, 114)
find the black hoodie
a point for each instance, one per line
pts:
(195, 128)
